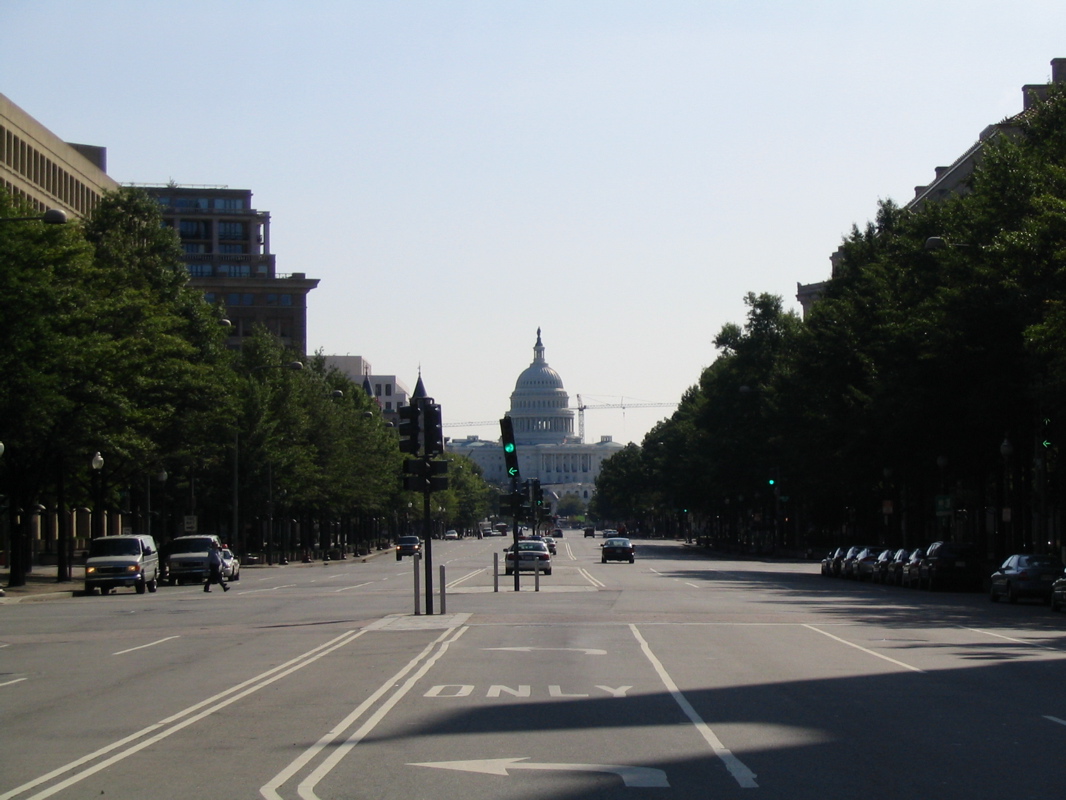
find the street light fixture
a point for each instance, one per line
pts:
(53, 216)
(97, 464)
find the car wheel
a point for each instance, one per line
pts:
(631, 559)
(547, 572)
(90, 590)
(153, 585)
(104, 590)
(236, 576)
(399, 557)
(603, 560)
(141, 587)
(507, 572)
(1012, 596)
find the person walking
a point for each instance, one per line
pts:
(214, 562)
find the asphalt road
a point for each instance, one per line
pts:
(683, 675)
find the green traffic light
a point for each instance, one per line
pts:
(508, 447)
(772, 481)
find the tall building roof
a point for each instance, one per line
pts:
(540, 405)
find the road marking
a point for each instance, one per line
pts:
(141, 647)
(693, 585)
(646, 777)
(1056, 719)
(272, 589)
(469, 575)
(8, 683)
(199, 711)
(589, 651)
(306, 787)
(594, 581)
(865, 650)
(743, 776)
(1011, 639)
(357, 586)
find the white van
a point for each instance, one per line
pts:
(187, 558)
(127, 560)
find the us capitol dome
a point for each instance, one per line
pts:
(548, 448)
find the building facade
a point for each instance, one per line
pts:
(227, 252)
(38, 167)
(548, 448)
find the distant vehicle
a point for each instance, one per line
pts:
(1025, 575)
(590, 533)
(617, 549)
(550, 541)
(558, 533)
(847, 566)
(128, 560)
(531, 555)
(863, 566)
(894, 570)
(451, 534)
(231, 565)
(880, 570)
(407, 546)
(911, 575)
(187, 558)
(1058, 593)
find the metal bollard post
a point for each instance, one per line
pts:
(415, 559)
(496, 572)
(442, 599)
(536, 576)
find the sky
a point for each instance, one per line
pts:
(460, 173)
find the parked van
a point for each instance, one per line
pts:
(127, 560)
(187, 558)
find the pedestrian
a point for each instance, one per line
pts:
(214, 561)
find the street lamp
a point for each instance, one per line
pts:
(53, 216)
(97, 464)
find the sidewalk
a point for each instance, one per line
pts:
(41, 584)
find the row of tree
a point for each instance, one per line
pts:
(105, 349)
(921, 397)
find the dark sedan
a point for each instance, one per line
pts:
(618, 549)
(1058, 593)
(951, 565)
(1025, 575)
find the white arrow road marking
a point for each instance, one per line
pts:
(647, 777)
(586, 650)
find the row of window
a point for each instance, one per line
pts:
(201, 269)
(199, 248)
(203, 203)
(234, 299)
(23, 158)
(201, 229)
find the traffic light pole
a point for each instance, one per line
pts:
(428, 538)
(515, 503)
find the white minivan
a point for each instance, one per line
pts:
(126, 560)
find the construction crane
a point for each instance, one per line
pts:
(623, 405)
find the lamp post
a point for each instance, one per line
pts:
(1006, 450)
(53, 216)
(97, 464)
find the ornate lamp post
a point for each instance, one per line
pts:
(97, 464)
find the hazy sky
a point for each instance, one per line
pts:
(458, 174)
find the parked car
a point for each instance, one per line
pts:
(831, 561)
(407, 546)
(126, 560)
(1058, 593)
(847, 566)
(231, 565)
(532, 555)
(618, 549)
(951, 564)
(911, 574)
(894, 569)
(880, 565)
(1025, 575)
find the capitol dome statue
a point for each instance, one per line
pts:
(540, 405)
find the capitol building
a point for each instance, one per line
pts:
(548, 448)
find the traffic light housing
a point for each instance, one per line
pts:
(409, 428)
(433, 427)
(510, 452)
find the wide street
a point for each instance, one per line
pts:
(687, 674)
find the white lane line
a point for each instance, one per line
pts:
(273, 589)
(1056, 719)
(743, 776)
(358, 585)
(866, 650)
(469, 575)
(1011, 639)
(199, 711)
(141, 647)
(8, 683)
(306, 787)
(693, 585)
(588, 576)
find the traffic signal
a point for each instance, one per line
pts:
(416, 477)
(510, 452)
(409, 428)
(438, 475)
(538, 495)
(432, 425)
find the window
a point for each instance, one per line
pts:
(231, 230)
(198, 247)
(286, 299)
(247, 299)
(190, 202)
(232, 248)
(388, 390)
(272, 299)
(230, 270)
(229, 203)
(194, 229)
(199, 270)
